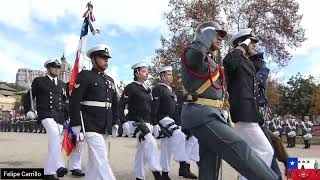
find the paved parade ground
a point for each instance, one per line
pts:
(28, 150)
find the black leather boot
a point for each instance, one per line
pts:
(165, 176)
(185, 172)
(157, 175)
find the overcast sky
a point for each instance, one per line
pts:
(38, 29)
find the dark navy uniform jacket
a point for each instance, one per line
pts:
(50, 99)
(94, 86)
(164, 103)
(138, 100)
(242, 85)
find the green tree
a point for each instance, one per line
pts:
(299, 94)
(282, 107)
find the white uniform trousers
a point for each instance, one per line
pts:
(75, 157)
(55, 136)
(192, 150)
(257, 140)
(98, 167)
(147, 151)
(174, 145)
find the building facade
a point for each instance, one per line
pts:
(23, 80)
(66, 70)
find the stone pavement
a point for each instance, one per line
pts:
(28, 150)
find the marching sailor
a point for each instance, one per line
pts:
(242, 85)
(163, 112)
(94, 112)
(137, 96)
(50, 94)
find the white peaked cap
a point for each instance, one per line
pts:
(241, 33)
(102, 48)
(166, 68)
(141, 64)
(51, 60)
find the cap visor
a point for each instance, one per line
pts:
(102, 55)
(254, 39)
(222, 33)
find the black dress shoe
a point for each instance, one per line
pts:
(62, 171)
(77, 172)
(50, 177)
(157, 175)
(185, 172)
(165, 175)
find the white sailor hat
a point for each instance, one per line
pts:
(243, 35)
(166, 68)
(53, 62)
(100, 49)
(141, 64)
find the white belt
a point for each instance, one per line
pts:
(97, 104)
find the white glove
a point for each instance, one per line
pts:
(156, 131)
(31, 115)
(115, 130)
(76, 130)
(126, 129)
(246, 42)
(80, 137)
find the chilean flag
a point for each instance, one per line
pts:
(303, 168)
(87, 23)
(67, 144)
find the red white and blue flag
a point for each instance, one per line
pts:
(68, 144)
(303, 168)
(86, 25)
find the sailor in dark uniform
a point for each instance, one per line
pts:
(242, 85)
(174, 141)
(306, 127)
(94, 112)
(202, 114)
(50, 96)
(137, 96)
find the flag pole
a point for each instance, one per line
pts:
(30, 90)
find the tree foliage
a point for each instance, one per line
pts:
(276, 23)
(120, 88)
(315, 102)
(272, 94)
(296, 97)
